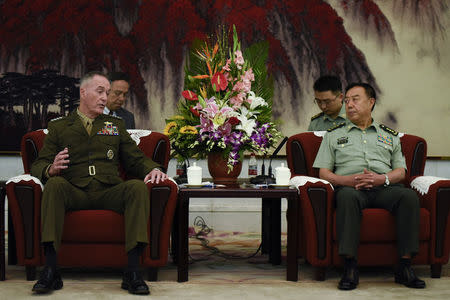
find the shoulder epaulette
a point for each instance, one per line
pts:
(56, 119)
(336, 127)
(390, 130)
(318, 115)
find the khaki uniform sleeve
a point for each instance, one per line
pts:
(325, 157)
(397, 158)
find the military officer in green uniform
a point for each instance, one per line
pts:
(328, 97)
(79, 166)
(364, 161)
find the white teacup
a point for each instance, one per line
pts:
(194, 175)
(282, 175)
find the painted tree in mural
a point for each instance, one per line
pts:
(149, 39)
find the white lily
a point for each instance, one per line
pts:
(246, 124)
(256, 101)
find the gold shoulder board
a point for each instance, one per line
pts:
(390, 130)
(336, 127)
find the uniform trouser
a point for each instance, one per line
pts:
(130, 198)
(398, 200)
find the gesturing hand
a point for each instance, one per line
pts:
(59, 163)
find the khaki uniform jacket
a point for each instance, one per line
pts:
(92, 156)
(347, 150)
(322, 122)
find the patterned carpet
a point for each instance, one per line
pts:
(213, 274)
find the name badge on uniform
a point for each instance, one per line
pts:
(342, 140)
(108, 129)
(110, 154)
(385, 139)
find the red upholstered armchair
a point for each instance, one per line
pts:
(93, 238)
(317, 229)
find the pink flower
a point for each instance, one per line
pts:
(239, 59)
(237, 100)
(227, 66)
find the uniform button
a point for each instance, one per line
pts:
(385, 147)
(342, 146)
(365, 141)
(364, 131)
(334, 123)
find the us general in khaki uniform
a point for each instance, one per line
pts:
(322, 121)
(92, 180)
(347, 150)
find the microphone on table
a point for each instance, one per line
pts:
(268, 179)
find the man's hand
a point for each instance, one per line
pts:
(59, 163)
(368, 180)
(156, 175)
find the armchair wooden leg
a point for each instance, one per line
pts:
(436, 270)
(319, 273)
(31, 272)
(152, 274)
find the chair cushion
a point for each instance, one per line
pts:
(97, 226)
(379, 225)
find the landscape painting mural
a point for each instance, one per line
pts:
(400, 47)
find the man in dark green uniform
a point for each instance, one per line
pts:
(79, 166)
(364, 161)
(328, 97)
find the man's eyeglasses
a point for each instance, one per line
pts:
(325, 101)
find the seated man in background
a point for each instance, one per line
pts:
(120, 86)
(328, 96)
(364, 162)
(78, 164)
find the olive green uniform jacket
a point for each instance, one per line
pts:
(108, 144)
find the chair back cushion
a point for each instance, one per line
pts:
(302, 148)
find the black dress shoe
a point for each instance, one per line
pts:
(133, 282)
(350, 278)
(405, 275)
(49, 280)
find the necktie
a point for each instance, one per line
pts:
(89, 127)
(111, 113)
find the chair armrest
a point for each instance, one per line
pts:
(163, 201)
(24, 194)
(316, 205)
(435, 196)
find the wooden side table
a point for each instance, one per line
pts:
(273, 196)
(2, 234)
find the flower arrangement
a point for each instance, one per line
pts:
(226, 105)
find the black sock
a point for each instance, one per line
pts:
(350, 262)
(50, 255)
(133, 257)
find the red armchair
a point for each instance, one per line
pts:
(93, 238)
(317, 217)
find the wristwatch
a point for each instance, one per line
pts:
(386, 181)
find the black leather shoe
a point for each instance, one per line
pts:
(133, 282)
(405, 275)
(350, 278)
(49, 280)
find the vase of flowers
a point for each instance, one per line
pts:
(227, 102)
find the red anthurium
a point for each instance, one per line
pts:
(220, 81)
(233, 121)
(189, 95)
(194, 112)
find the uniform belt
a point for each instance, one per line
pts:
(91, 170)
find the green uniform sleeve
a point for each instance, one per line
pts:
(325, 157)
(132, 158)
(47, 153)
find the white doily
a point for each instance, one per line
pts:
(320, 133)
(136, 134)
(423, 183)
(400, 134)
(302, 180)
(25, 177)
